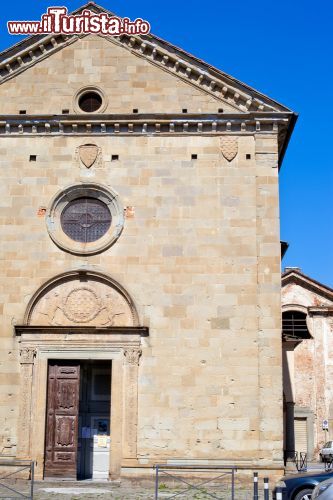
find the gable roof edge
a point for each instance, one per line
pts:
(301, 279)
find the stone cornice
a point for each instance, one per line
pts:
(141, 331)
(143, 124)
(195, 72)
(321, 311)
(220, 86)
(31, 54)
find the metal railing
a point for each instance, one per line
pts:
(11, 474)
(300, 459)
(328, 461)
(302, 462)
(170, 472)
(191, 477)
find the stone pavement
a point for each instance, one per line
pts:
(128, 491)
(124, 491)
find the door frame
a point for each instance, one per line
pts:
(123, 351)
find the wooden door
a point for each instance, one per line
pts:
(62, 419)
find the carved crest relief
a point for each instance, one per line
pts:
(229, 147)
(88, 154)
(89, 304)
(82, 305)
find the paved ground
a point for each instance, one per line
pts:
(125, 490)
(100, 491)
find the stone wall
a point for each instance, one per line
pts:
(129, 82)
(199, 255)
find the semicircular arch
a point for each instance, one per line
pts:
(81, 298)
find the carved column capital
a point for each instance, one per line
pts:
(132, 355)
(27, 355)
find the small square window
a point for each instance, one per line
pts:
(194, 157)
(135, 110)
(114, 157)
(23, 112)
(220, 110)
(184, 110)
(248, 157)
(33, 158)
(65, 111)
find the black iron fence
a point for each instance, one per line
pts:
(328, 463)
(16, 479)
(184, 474)
(220, 483)
(300, 459)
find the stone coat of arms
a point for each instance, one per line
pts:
(88, 154)
(229, 147)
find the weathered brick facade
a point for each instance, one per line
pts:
(310, 361)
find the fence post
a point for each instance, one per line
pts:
(156, 483)
(32, 478)
(278, 493)
(232, 484)
(255, 486)
(266, 488)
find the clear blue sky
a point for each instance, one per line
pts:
(283, 49)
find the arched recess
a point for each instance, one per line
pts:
(289, 308)
(81, 298)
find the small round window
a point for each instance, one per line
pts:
(85, 219)
(89, 102)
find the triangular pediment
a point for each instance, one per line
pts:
(233, 95)
(315, 291)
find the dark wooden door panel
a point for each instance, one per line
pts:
(61, 435)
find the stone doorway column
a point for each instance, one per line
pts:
(131, 368)
(27, 357)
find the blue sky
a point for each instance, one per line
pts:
(283, 49)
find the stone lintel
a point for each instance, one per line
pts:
(321, 311)
(141, 331)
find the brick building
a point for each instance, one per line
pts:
(307, 310)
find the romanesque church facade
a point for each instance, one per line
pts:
(140, 259)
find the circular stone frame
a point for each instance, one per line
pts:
(61, 200)
(85, 90)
